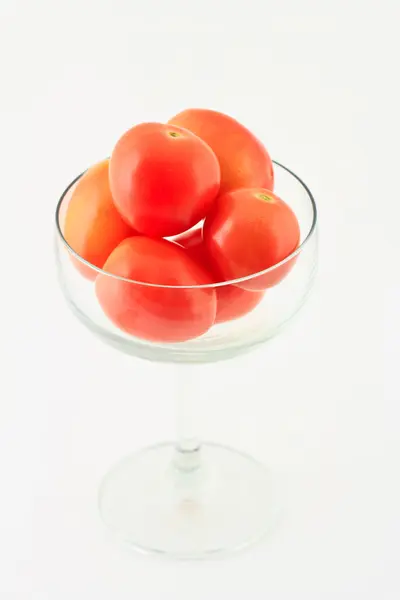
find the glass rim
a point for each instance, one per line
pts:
(237, 281)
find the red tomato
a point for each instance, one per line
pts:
(164, 179)
(243, 159)
(157, 314)
(93, 227)
(232, 301)
(248, 231)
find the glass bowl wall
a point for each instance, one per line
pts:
(224, 340)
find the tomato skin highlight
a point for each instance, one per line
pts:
(93, 227)
(164, 179)
(232, 302)
(243, 159)
(249, 231)
(156, 314)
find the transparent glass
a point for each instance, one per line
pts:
(192, 499)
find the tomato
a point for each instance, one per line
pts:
(232, 301)
(251, 230)
(152, 312)
(243, 159)
(164, 179)
(93, 227)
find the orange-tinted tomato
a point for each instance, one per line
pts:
(164, 179)
(243, 159)
(249, 231)
(232, 301)
(157, 314)
(93, 227)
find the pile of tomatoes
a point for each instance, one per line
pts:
(177, 208)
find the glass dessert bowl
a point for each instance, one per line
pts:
(191, 499)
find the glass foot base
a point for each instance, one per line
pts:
(159, 500)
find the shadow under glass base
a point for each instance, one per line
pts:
(223, 504)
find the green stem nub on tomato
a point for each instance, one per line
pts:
(265, 197)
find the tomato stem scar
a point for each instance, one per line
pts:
(265, 197)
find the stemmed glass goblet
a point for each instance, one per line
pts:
(191, 499)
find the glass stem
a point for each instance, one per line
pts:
(188, 448)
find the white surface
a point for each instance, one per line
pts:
(320, 403)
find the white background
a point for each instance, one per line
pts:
(317, 82)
